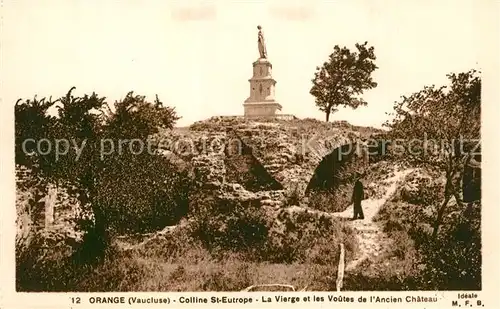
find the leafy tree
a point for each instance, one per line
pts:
(31, 122)
(134, 117)
(120, 188)
(444, 125)
(343, 78)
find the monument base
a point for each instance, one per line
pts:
(261, 109)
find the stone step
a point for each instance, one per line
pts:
(368, 238)
(366, 230)
(269, 202)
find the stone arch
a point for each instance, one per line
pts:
(244, 168)
(336, 168)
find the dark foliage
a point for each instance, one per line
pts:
(126, 189)
(226, 224)
(440, 119)
(343, 78)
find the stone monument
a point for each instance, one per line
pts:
(261, 102)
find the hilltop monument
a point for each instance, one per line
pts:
(261, 102)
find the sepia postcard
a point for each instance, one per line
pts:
(249, 154)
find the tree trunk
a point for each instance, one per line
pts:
(327, 116)
(448, 193)
(95, 240)
(440, 216)
(456, 189)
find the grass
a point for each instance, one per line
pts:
(198, 270)
(331, 202)
(230, 274)
(298, 249)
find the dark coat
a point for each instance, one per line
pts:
(358, 192)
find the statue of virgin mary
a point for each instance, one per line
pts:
(261, 43)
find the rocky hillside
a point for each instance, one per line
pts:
(259, 154)
(252, 162)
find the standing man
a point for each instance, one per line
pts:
(357, 196)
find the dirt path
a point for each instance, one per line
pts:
(372, 240)
(125, 243)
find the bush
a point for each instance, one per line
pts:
(450, 262)
(226, 224)
(142, 193)
(305, 237)
(330, 201)
(52, 269)
(43, 264)
(454, 259)
(282, 237)
(127, 191)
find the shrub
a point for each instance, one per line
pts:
(454, 262)
(126, 191)
(43, 264)
(450, 262)
(282, 237)
(227, 224)
(142, 193)
(330, 201)
(43, 269)
(305, 237)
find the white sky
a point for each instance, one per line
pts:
(202, 66)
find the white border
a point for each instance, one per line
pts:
(488, 23)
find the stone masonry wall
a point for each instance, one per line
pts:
(42, 208)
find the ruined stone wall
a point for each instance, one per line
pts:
(257, 155)
(44, 209)
(339, 167)
(290, 151)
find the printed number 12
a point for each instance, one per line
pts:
(75, 300)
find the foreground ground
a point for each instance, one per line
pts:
(383, 251)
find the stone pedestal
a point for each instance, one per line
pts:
(261, 102)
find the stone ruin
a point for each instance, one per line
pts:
(262, 159)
